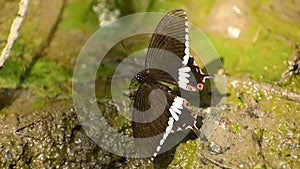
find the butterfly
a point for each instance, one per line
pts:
(160, 105)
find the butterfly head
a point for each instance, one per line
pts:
(140, 77)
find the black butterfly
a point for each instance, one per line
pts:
(159, 105)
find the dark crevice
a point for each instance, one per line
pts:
(258, 138)
(7, 97)
(40, 51)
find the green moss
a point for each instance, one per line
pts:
(46, 79)
(235, 127)
(18, 49)
(187, 153)
(4, 110)
(11, 73)
(192, 158)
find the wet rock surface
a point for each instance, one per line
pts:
(49, 138)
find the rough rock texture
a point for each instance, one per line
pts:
(49, 138)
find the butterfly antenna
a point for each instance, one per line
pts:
(210, 76)
(207, 76)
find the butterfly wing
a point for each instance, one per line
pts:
(167, 50)
(168, 43)
(150, 116)
(158, 111)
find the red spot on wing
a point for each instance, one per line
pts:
(186, 104)
(200, 86)
(190, 88)
(194, 115)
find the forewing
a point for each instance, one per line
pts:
(167, 46)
